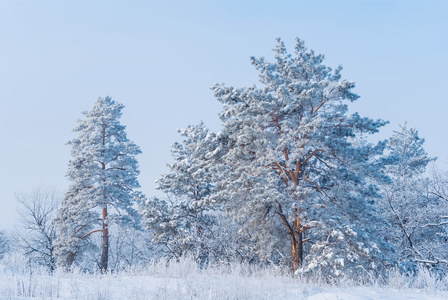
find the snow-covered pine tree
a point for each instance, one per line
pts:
(103, 178)
(412, 212)
(296, 163)
(185, 222)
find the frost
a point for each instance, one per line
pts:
(351, 231)
(340, 261)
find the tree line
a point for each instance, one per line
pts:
(292, 179)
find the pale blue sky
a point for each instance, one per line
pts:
(159, 58)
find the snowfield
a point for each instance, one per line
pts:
(184, 280)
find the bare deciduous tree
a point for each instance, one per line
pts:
(36, 232)
(4, 243)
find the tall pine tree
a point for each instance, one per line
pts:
(297, 163)
(103, 178)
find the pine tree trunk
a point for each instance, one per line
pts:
(105, 250)
(297, 247)
(296, 235)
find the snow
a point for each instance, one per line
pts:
(184, 280)
(203, 287)
(372, 294)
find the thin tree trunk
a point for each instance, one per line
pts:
(105, 230)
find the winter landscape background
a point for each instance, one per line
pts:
(160, 150)
(161, 60)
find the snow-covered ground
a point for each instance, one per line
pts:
(186, 281)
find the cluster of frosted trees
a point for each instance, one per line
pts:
(292, 180)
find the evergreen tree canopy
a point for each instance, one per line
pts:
(103, 178)
(297, 163)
